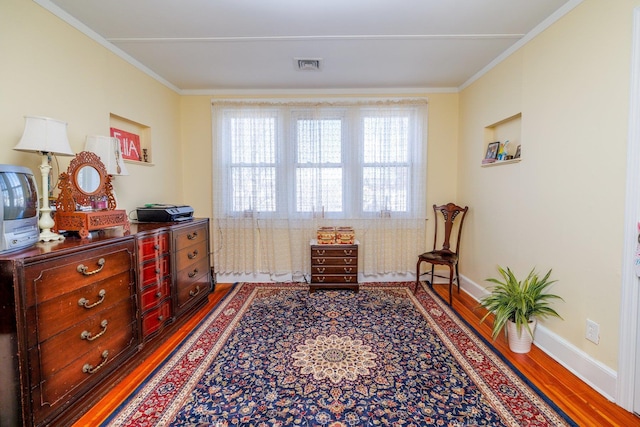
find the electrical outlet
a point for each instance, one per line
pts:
(593, 331)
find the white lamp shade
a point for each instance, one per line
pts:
(44, 135)
(109, 151)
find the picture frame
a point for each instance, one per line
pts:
(492, 150)
(517, 155)
(129, 144)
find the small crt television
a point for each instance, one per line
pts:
(19, 213)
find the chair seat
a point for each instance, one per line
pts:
(439, 257)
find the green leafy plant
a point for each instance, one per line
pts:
(518, 301)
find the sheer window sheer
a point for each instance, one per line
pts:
(283, 169)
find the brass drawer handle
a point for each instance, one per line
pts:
(83, 302)
(348, 269)
(193, 273)
(320, 270)
(196, 292)
(156, 247)
(348, 252)
(86, 335)
(192, 236)
(193, 254)
(89, 369)
(348, 279)
(158, 294)
(160, 318)
(83, 268)
(348, 260)
(321, 279)
(321, 260)
(321, 251)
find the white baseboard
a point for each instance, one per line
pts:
(600, 377)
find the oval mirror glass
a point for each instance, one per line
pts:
(88, 179)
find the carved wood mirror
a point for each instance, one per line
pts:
(85, 185)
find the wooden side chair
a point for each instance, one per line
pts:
(453, 218)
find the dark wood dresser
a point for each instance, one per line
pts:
(334, 266)
(74, 312)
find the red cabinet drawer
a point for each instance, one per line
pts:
(154, 294)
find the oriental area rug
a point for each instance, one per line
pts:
(276, 355)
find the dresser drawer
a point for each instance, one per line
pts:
(332, 269)
(153, 246)
(192, 272)
(152, 271)
(57, 314)
(152, 295)
(189, 236)
(336, 278)
(339, 262)
(85, 336)
(332, 252)
(193, 283)
(83, 371)
(154, 319)
(45, 281)
(191, 254)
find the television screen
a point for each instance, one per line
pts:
(19, 195)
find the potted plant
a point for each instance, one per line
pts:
(517, 305)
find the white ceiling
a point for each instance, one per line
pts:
(251, 45)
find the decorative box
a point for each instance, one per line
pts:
(326, 235)
(345, 235)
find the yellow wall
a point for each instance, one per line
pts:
(51, 69)
(562, 207)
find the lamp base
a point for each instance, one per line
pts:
(48, 236)
(46, 223)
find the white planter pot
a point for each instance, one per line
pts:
(520, 342)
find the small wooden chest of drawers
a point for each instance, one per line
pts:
(334, 266)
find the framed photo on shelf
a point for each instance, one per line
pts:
(492, 151)
(517, 156)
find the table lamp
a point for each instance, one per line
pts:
(109, 151)
(45, 136)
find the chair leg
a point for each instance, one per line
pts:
(457, 278)
(432, 273)
(450, 285)
(417, 276)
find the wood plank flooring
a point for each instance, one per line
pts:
(582, 403)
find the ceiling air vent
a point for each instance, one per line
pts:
(308, 64)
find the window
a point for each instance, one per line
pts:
(331, 161)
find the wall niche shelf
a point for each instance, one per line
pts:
(135, 139)
(507, 129)
(500, 163)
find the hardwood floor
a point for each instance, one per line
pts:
(582, 403)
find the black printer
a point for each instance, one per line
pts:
(164, 213)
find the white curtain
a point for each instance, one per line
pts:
(283, 169)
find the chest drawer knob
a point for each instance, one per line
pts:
(348, 252)
(193, 273)
(193, 254)
(192, 236)
(86, 335)
(84, 269)
(195, 291)
(83, 302)
(90, 369)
